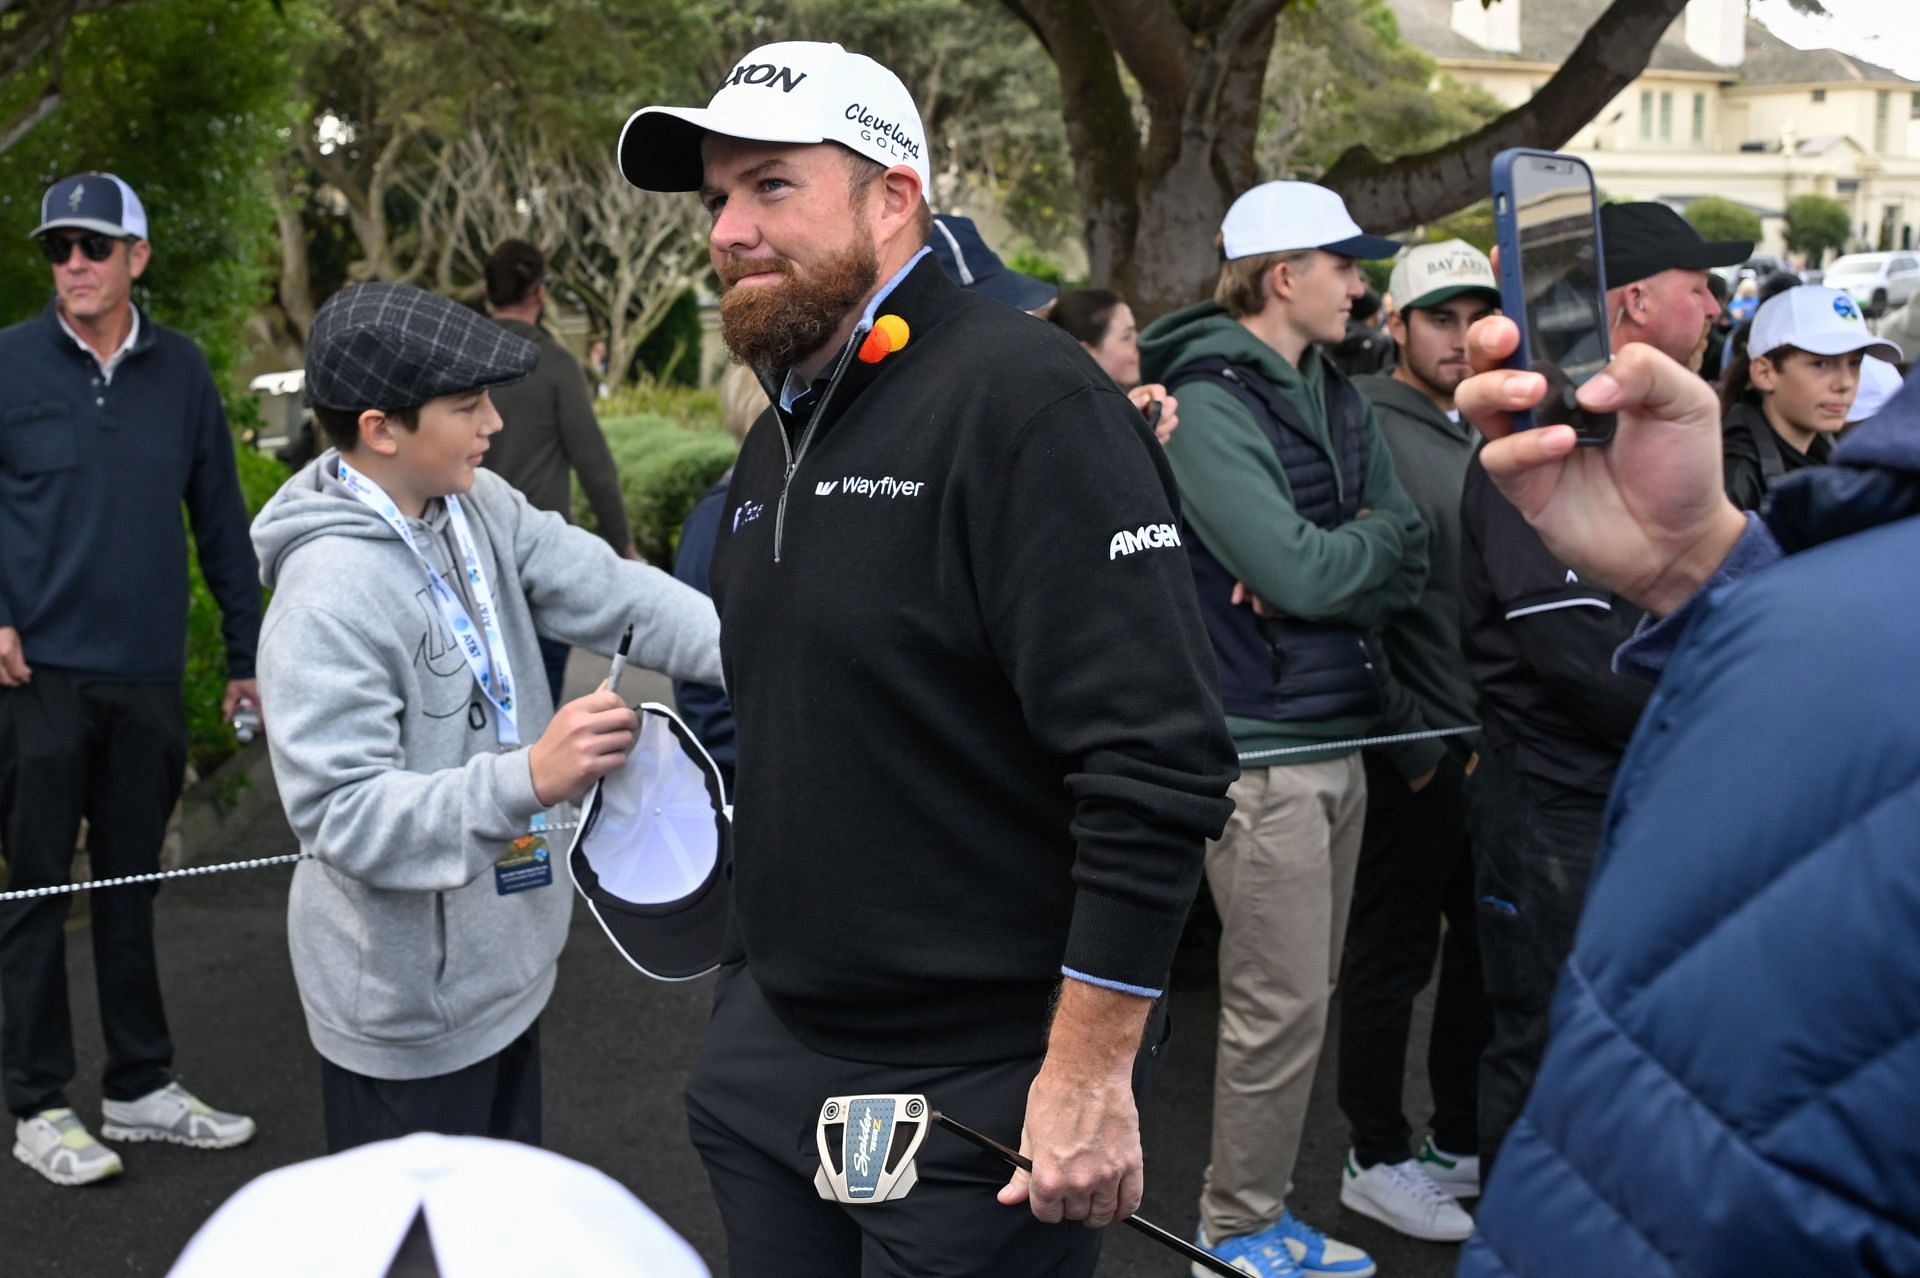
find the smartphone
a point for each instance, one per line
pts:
(1546, 214)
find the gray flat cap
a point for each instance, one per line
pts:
(392, 346)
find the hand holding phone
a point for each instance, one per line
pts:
(1553, 282)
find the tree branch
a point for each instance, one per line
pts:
(1154, 43)
(1404, 192)
(24, 120)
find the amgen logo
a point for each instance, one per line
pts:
(1145, 537)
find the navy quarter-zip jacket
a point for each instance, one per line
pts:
(93, 556)
(979, 732)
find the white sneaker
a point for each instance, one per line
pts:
(176, 1115)
(58, 1145)
(1404, 1198)
(1458, 1174)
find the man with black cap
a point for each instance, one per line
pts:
(1301, 540)
(110, 423)
(418, 754)
(980, 746)
(1557, 719)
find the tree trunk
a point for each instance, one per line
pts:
(1402, 193)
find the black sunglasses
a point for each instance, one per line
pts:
(96, 246)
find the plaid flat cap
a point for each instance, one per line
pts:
(392, 346)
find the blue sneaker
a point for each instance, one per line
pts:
(1318, 1255)
(1262, 1255)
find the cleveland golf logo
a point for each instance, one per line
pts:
(883, 133)
(1145, 537)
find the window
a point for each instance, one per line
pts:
(1666, 117)
(1699, 117)
(1882, 111)
(1913, 110)
(1646, 113)
(1819, 95)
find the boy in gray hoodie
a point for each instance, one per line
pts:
(414, 741)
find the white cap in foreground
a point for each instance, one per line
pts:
(491, 1207)
(1821, 321)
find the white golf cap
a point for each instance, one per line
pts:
(489, 1207)
(799, 91)
(650, 858)
(1432, 273)
(1821, 321)
(1280, 217)
(1879, 382)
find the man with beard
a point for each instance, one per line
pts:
(979, 738)
(1657, 289)
(1415, 865)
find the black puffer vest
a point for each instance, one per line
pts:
(1285, 670)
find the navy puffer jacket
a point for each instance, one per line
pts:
(1732, 1085)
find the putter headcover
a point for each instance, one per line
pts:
(867, 1144)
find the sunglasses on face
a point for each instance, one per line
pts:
(96, 246)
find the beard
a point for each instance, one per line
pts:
(772, 327)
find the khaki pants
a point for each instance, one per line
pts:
(1282, 878)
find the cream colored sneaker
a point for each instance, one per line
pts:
(176, 1115)
(58, 1145)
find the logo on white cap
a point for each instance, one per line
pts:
(1821, 321)
(1431, 273)
(798, 92)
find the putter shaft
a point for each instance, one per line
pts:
(1147, 1227)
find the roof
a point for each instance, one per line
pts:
(1771, 60)
(1549, 32)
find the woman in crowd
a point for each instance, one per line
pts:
(1790, 390)
(1102, 322)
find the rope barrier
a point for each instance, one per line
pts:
(1251, 756)
(192, 871)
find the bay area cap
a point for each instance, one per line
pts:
(798, 91)
(1433, 273)
(457, 1206)
(388, 346)
(1823, 321)
(1282, 217)
(652, 857)
(92, 202)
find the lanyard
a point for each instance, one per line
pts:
(490, 667)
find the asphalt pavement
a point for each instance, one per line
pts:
(616, 1051)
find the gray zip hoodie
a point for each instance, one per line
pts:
(409, 961)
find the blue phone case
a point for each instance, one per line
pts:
(1507, 236)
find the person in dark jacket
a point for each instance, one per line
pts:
(1416, 866)
(1729, 1086)
(980, 740)
(1301, 540)
(551, 432)
(1540, 639)
(1792, 390)
(110, 423)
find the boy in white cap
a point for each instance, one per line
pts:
(980, 747)
(1301, 541)
(1793, 392)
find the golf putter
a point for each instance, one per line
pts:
(867, 1145)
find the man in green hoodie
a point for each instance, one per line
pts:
(1415, 863)
(1301, 541)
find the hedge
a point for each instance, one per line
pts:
(665, 463)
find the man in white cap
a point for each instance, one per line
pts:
(1792, 395)
(1416, 866)
(112, 422)
(980, 745)
(1301, 540)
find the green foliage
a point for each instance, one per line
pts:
(665, 464)
(1474, 224)
(209, 736)
(1378, 272)
(1718, 219)
(1038, 265)
(1816, 224)
(696, 408)
(671, 353)
(185, 100)
(1340, 73)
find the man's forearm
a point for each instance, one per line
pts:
(1096, 1031)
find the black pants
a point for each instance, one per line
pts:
(1534, 843)
(497, 1097)
(1415, 868)
(116, 754)
(553, 657)
(752, 1107)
